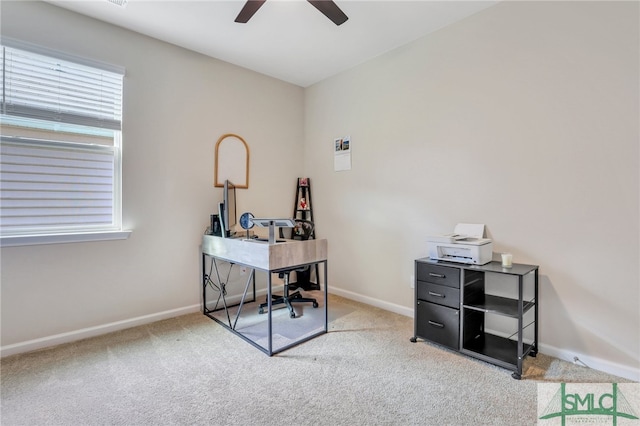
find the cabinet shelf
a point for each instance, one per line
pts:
(497, 348)
(500, 306)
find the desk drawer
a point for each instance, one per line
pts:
(437, 274)
(438, 324)
(440, 294)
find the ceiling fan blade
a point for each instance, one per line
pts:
(330, 10)
(249, 8)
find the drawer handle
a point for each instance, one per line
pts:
(436, 324)
(431, 293)
(431, 274)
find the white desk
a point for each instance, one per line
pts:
(270, 258)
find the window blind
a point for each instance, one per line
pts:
(46, 88)
(60, 152)
(47, 186)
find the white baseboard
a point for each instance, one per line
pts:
(72, 336)
(627, 372)
(391, 307)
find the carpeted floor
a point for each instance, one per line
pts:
(190, 370)
(309, 321)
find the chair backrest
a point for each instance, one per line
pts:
(303, 230)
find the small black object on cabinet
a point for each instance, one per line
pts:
(453, 306)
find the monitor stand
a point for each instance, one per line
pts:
(272, 223)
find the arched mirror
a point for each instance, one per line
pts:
(232, 161)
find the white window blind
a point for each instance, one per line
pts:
(60, 150)
(46, 88)
(52, 186)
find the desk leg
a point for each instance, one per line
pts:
(223, 290)
(204, 284)
(269, 313)
(218, 284)
(244, 296)
(207, 280)
(326, 298)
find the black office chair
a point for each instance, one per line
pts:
(302, 231)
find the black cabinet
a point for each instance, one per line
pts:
(438, 304)
(478, 310)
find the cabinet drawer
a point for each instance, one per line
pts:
(437, 274)
(438, 324)
(440, 294)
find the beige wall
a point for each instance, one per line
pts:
(523, 117)
(177, 104)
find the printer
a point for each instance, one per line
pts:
(465, 245)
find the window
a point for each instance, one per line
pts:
(60, 147)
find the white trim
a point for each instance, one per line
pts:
(84, 333)
(620, 370)
(391, 307)
(625, 371)
(599, 364)
(79, 237)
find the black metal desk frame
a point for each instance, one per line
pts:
(219, 286)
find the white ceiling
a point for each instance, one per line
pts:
(286, 39)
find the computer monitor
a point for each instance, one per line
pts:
(229, 213)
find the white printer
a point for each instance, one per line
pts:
(465, 245)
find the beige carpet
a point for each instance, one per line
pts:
(190, 370)
(309, 321)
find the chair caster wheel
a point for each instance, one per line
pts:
(261, 311)
(315, 304)
(292, 314)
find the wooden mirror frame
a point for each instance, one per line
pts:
(231, 161)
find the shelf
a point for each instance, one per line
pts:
(491, 347)
(500, 306)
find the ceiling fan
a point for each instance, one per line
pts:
(327, 7)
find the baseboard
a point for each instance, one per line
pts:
(72, 336)
(391, 307)
(625, 371)
(599, 364)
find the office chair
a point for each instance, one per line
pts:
(302, 231)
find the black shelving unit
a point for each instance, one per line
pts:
(506, 351)
(474, 306)
(303, 209)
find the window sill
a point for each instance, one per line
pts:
(30, 240)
